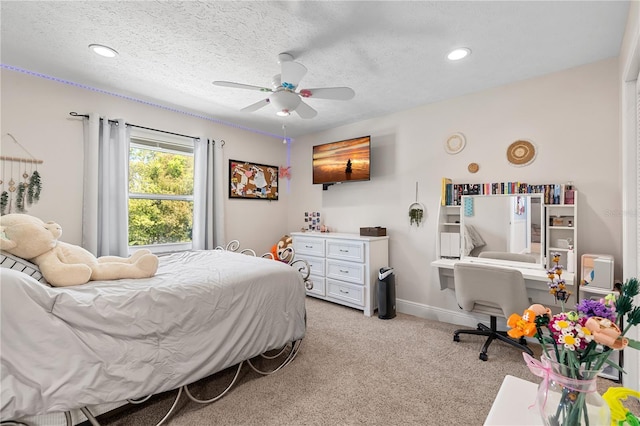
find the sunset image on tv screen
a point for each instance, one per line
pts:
(341, 161)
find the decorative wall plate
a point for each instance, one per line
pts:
(455, 143)
(521, 152)
(473, 167)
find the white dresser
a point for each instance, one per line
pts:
(344, 267)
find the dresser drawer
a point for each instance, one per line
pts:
(347, 292)
(315, 263)
(309, 246)
(346, 250)
(345, 271)
(318, 286)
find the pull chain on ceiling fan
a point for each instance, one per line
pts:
(283, 92)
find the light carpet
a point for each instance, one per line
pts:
(354, 370)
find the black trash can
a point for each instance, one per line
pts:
(386, 293)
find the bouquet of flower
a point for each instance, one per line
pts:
(576, 346)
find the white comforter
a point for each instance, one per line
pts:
(64, 348)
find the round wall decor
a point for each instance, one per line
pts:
(455, 143)
(473, 167)
(521, 152)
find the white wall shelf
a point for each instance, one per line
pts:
(561, 226)
(448, 240)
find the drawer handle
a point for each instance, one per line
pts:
(344, 251)
(308, 246)
(344, 271)
(342, 291)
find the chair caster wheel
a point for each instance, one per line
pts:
(483, 356)
(456, 338)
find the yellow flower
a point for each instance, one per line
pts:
(561, 325)
(570, 341)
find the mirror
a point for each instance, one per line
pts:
(503, 223)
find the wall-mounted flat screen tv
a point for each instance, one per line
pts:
(342, 161)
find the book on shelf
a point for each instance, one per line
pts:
(443, 194)
(569, 194)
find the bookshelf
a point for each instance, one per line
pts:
(560, 216)
(554, 193)
(561, 233)
(448, 241)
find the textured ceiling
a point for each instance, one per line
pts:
(391, 53)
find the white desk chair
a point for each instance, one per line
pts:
(493, 291)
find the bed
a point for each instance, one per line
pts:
(109, 342)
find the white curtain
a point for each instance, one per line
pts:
(105, 193)
(208, 228)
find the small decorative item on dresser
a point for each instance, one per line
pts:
(373, 232)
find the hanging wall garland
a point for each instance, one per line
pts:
(35, 187)
(19, 194)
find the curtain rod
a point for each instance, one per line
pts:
(75, 114)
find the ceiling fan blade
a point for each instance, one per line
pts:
(337, 93)
(241, 86)
(305, 111)
(256, 106)
(292, 73)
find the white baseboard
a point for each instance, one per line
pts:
(458, 317)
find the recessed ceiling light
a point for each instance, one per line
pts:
(105, 51)
(458, 54)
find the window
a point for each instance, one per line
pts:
(160, 194)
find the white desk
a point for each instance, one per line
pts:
(535, 279)
(515, 404)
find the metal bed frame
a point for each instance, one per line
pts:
(287, 353)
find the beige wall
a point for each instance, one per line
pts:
(572, 117)
(36, 111)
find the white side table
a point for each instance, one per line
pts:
(514, 404)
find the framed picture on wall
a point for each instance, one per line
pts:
(252, 180)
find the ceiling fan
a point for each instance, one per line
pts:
(283, 94)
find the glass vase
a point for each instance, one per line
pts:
(569, 397)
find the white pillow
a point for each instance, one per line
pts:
(472, 239)
(19, 264)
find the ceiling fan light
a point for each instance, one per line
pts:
(457, 54)
(284, 101)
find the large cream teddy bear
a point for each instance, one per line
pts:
(64, 264)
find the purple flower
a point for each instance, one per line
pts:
(595, 308)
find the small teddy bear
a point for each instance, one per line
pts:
(282, 250)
